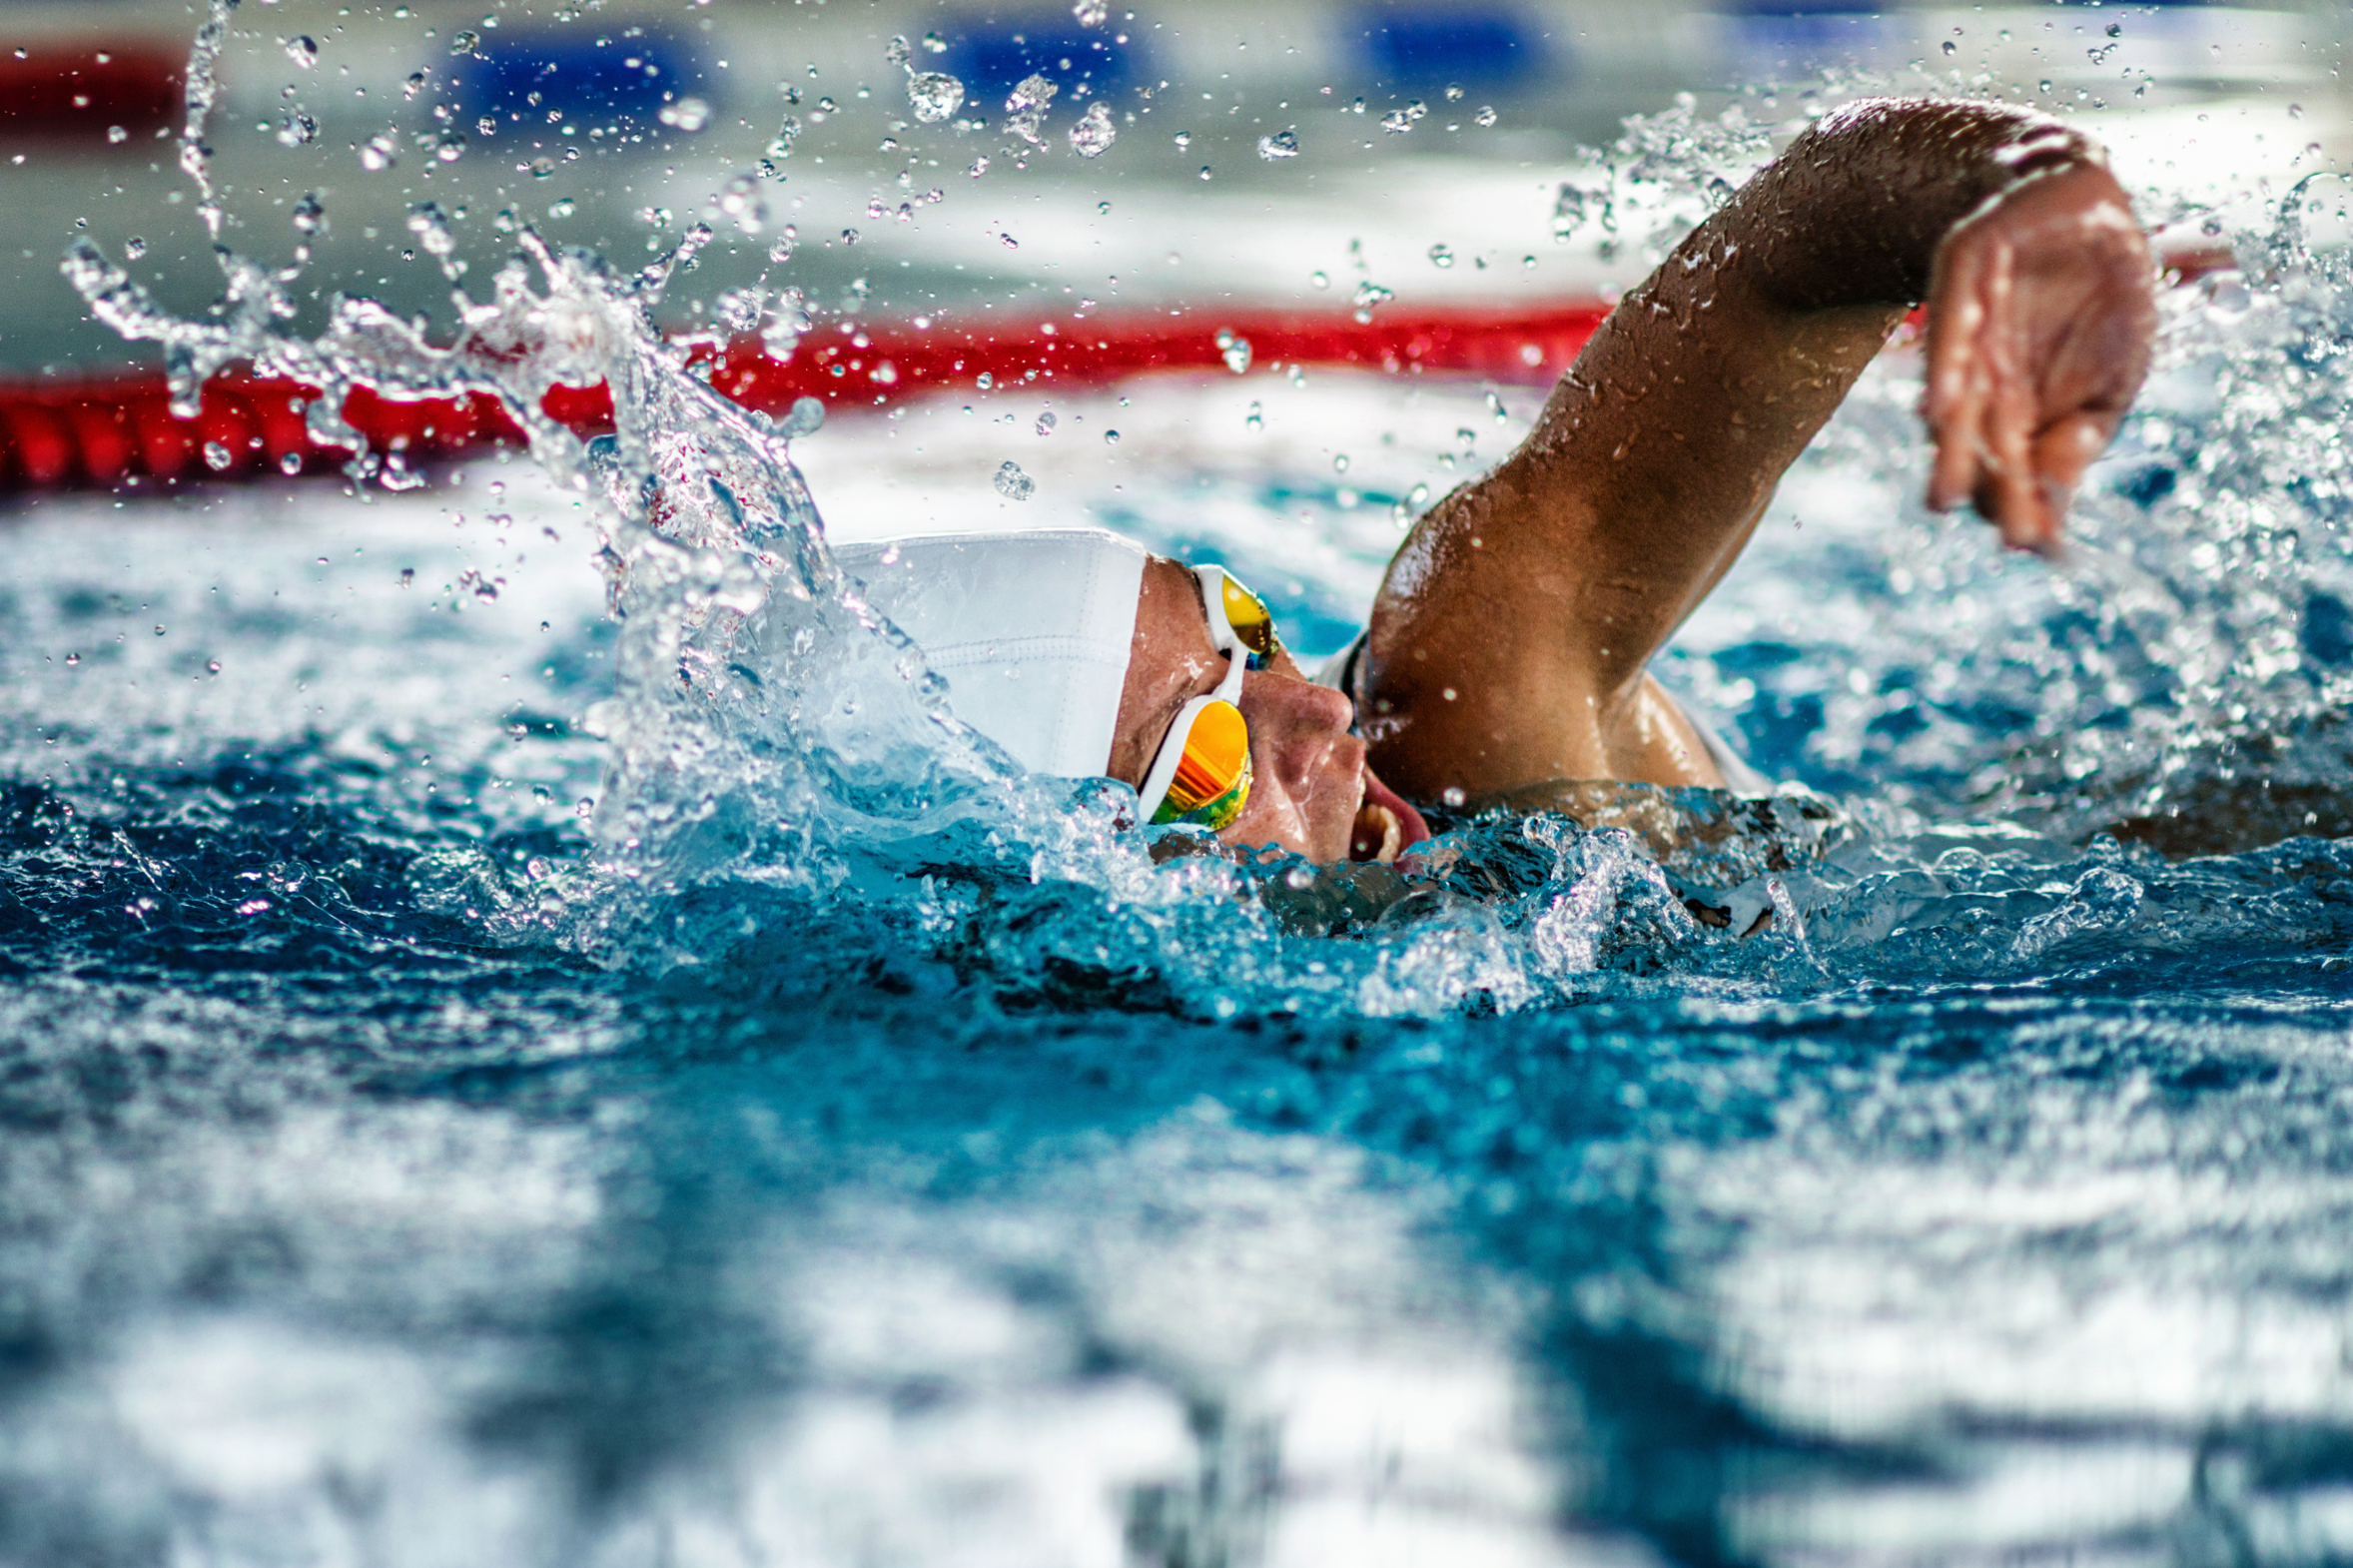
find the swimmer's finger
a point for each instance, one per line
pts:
(1953, 403)
(2061, 454)
(2011, 415)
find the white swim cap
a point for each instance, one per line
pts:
(1030, 631)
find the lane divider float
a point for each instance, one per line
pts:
(119, 433)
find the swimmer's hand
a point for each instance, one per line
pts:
(2041, 308)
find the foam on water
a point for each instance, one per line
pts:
(756, 1123)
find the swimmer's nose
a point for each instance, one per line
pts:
(1294, 723)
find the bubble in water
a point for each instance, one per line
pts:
(935, 94)
(1014, 484)
(218, 458)
(562, 207)
(115, 133)
(1398, 121)
(310, 214)
(896, 51)
(1094, 131)
(414, 84)
(1949, 47)
(465, 41)
(1236, 351)
(449, 145)
(1111, 437)
(72, 659)
(934, 44)
(687, 114)
(1183, 139)
(1026, 106)
(297, 129)
(1092, 13)
(383, 150)
(1485, 116)
(303, 50)
(1440, 256)
(1452, 797)
(781, 143)
(1495, 406)
(1282, 144)
(1369, 294)
(1046, 423)
(134, 247)
(290, 465)
(1320, 280)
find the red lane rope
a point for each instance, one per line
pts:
(108, 434)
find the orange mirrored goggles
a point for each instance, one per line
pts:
(1201, 773)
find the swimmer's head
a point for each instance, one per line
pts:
(1082, 655)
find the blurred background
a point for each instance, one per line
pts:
(1256, 152)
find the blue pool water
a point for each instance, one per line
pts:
(473, 1096)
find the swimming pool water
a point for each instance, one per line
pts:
(487, 1081)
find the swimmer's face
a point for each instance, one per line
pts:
(1310, 784)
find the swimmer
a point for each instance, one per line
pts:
(1506, 656)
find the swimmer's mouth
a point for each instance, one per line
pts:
(1385, 826)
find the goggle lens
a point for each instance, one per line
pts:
(1212, 782)
(1252, 622)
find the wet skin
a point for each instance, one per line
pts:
(1510, 638)
(1509, 643)
(1309, 787)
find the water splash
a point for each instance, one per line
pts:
(1094, 133)
(1026, 106)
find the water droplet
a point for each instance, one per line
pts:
(115, 133)
(1320, 280)
(2115, 29)
(213, 666)
(1092, 13)
(415, 84)
(1206, 171)
(743, 201)
(1255, 419)
(449, 145)
(303, 50)
(1183, 139)
(979, 166)
(1026, 106)
(934, 44)
(71, 659)
(1495, 407)
(562, 207)
(1236, 351)
(134, 247)
(1369, 294)
(1950, 48)
(896, 51)
(1009, 242)
(1094, 131)
(2044, 85)
(465, 41)
(1045, 425)
(1340, 462)
(310, 214)
(983, 381)
(1568, 212)
(297, 129)
(383, 151)
(408, 576)
(1440, 257)
(1111, 437)
(290, 465)
(1486, 116)
(1014, 484)
(159, 631)
(1452, 797)
(1282, 144)
(781, 143)
(687, 114)
(218, 458)
(935, 94)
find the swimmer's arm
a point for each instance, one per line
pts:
(1510, 636)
